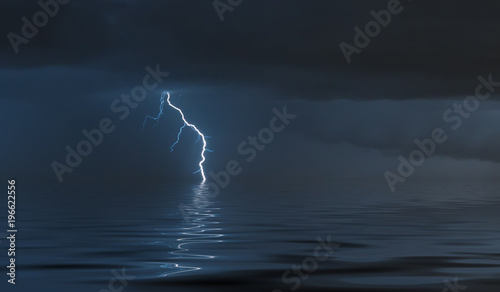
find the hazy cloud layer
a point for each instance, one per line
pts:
(430, 50)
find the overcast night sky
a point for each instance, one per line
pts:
(353, 119)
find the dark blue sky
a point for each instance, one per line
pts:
(353, 119)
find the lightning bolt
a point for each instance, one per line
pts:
(178, 138)
(157, 118)
(186, 123)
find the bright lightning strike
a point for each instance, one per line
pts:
(186, 123)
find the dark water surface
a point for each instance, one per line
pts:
(248, 236)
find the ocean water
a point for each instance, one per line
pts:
(428, 236)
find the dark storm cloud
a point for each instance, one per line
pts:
(392, 127)
(430, 50)
(229, 75)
